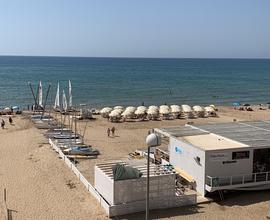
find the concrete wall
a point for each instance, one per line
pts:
(157, 203)
(104, 185)
(127, 191)
(184, 158)
(222, 166)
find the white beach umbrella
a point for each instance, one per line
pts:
(106, 110)
(186, 108)
(140, 112)
(175, 109)
(164, 111)
(119, 110)
(153, 107)
(164, 107)
(118, 107)
(127, 114)
(209, 109)
(198, 108)
(115, 113)
(213, 106)
(153, 111)
(143, 108)
(130, 108)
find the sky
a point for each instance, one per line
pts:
(136, 28)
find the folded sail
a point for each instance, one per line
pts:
(64, 100)
(70, 94)
(40, 94)
(57, 100)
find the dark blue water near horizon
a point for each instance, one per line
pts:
(131, 81)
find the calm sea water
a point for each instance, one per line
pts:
(131, 81)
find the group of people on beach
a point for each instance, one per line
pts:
(111, 131)
(3, 123)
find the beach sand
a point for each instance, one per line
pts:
(40, 186)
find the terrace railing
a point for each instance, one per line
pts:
(245, 179)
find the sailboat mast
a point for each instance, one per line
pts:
(31, 88)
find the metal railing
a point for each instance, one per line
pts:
(237, 179)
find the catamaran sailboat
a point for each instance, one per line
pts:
(66, 107)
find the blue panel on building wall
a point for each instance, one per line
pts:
(178, 150)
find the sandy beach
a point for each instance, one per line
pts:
(40, 186)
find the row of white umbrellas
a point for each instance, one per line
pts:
(119, 111)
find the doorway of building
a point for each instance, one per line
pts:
(261, 160)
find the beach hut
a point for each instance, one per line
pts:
(176, 111)
(210, 111)
(115, 115)
(198, 111)
(105, 112)
(186, 111)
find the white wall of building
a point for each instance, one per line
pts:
(183, 156)
(223, 166)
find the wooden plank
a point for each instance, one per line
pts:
(185, 175)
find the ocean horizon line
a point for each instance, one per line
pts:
(138, 57)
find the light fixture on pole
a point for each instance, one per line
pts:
(152, 140)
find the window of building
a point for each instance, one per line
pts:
(240, 155)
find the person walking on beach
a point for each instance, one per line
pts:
(10, 120)
(113, 130)
(108, 132)
(3, 124)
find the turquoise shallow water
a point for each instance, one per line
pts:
(131, 81)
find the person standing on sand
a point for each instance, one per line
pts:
(113, 130)
(108, 132)
(3, 124)
(10, 120)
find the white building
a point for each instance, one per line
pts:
(222, 156)
(128, 196)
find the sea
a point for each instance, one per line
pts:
(99, 82)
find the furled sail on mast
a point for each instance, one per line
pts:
(57, 100)
(40, 94)
(70, 94)
(64, 100)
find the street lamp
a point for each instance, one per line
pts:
(152, 140)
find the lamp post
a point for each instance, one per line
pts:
(152, 140)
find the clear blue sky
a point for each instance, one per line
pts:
(136, 28)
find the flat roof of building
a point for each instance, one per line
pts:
(253, 134)
(211, 142)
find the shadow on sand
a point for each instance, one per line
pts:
(163, 213)
(232, 198)
(244, 198)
